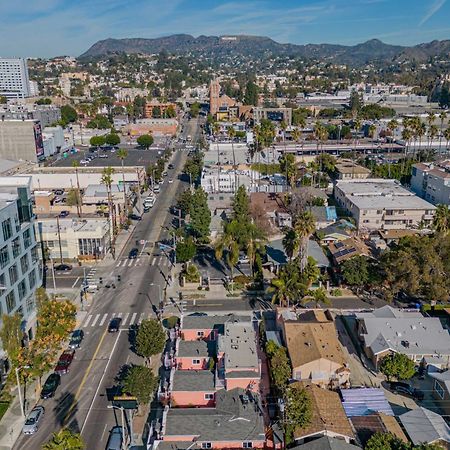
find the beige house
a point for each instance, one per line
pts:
(315, 351)
(347, 169)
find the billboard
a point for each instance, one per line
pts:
(39, 142)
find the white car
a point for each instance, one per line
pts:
(170, 181)
(103, 155)
(85, 161)
(32, 421)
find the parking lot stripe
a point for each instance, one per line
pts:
(133, 318)
(88, 319)
(125, 318)
(76, 281)
(103, 319)
(95, 320)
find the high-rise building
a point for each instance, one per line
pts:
(14, 81)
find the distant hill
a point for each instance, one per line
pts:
(259, 46)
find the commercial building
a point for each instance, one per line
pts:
(379, 204)
(74, 239)
(224, 181)
(156, 127)
(156, 109)
(45, 114)
(14, 81)
(273, 114)
(431, 181)
(20, 268)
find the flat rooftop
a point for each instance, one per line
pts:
(85, 225)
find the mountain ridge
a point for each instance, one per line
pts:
(373, 50)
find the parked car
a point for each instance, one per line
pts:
(401, 387)
(32, 421)
(156, 188)
(170, 180)
(64, 362)
(114, 325)
(115, 439)
(59, 191)
(243, 259)
(133, 253)
(170, 166)
(63, 268)
(76, 339)
(103, 155)
(134, 217)
(63, 214)
(50, 386)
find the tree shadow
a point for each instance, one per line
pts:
(65, 411)
(132, 333)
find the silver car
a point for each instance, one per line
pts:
(32, 422)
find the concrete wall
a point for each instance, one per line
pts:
(17, 140)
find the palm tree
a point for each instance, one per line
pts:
(319, 295)
(228, 246)
(406, 136)
(304, 226)
(291, 243)
(392, 126)
(442, 117)
(281, 291)
(64, 439)
(441, 221)
(433, 131)
(231, 134)
(107, 180)
(75, 165)
(421, 130)
(122, 154)
(447, 137)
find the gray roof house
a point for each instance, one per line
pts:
(193, 381)
(389, 330)
(441, 390)
(425, 427)
(326, 443)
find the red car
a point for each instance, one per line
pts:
(64, 362)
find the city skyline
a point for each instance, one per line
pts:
(63, 27)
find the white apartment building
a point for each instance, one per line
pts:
(20, 267)
(214, 181)
(431, 181)
(14, 81)
(379, 204)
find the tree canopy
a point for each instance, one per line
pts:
(397, 365)
(64, 439)
(150, 338)
(140, 382)
(200, 215)
(68, 115)
(298, 410)
(145, 141)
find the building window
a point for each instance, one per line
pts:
(24, 264)
(22, 288)
(90, 247)
(247, 445)
(196, 361)
(7, 229)
(4, 257)
(209, 396)
(439, 390)
(34, 254)
(49, 244)
(30, 304)
(206, 445)
(2, 280)
(27, 238)
(32, 279)
(10, 302)
(16, 247)
(200, 333)
(13, 276)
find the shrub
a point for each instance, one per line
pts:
(336, 293)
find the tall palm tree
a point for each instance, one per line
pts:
(372, 130)
(319, 296)
(442, 117)
(107, 180)
(441, 221)
(433, 131)
(231, 134)
(392, 126)
(122, 155)
(75, 165)
(291, 243)
(281, 291)
(447, 137)
(228, 246)
(421, 130)
(406, 136)
(304, 226)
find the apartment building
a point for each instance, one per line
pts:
(20, 268)
(431, 181)
(14, 81)
(379, 204)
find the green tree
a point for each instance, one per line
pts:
(186, 250)
(304, 226)
(3, 100)
(145, 141)
(68, 114)
(319, 296)
(200, 215)
(156, 112)
(170, 112)
(11, 335)
(64, 439)
(141, 383)
(150, 339)
(195, 109)
(385, 441)
(97, 141)
(280, 368)
(397, 365)
(184, 201)
(112, 139)
(228, 246)
(43, 101)
(441, 220)
(289, 168)
(100, 122)
(73, 198)
(356, 103)
(251, 94)
(355, 271)
(298, 410)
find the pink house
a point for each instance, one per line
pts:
(194, 355)
(193, 388)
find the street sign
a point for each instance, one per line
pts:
(125, 402)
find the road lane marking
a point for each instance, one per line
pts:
(153, 262)
(133, 318)
(101, 379)
(119, 264)
(141, 318)
(88, 319)
(95, 320)
(137, 260)
(125, 318)
(76, 281)
(103, 319)
(86, 374)
(130, 263)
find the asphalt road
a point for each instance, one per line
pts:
(81, 401)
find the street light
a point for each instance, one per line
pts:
(122, 413)
(159, 291)
(22, 405)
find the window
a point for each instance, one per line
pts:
(16, 247)
(379, 211)
(200, 333)
(196, 361)
(206, 445)
(2, 280)
(22, 288)
(10, 302)
(439, 390)
(247, 445)
(49, 244)
(4, 257)
(13, 276)
(34, 254)
(27, 238)
(209, 396)
(32, 279)
(24, 264)
(7, 229)
(30, 304)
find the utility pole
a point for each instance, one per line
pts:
(22, 410)
(59, 239)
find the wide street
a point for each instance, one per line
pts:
(81, 401)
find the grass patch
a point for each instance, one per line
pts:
(3, 408)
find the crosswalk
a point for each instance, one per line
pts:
(100, 320)
(159, 261)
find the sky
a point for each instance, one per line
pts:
(45, 28)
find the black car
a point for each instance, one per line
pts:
(50, 386)
(63, 214)
(404, 388)
(134, 217)
(76, 339)
(170, 166)
(114, 325)
(133, 253)
(63, 268)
